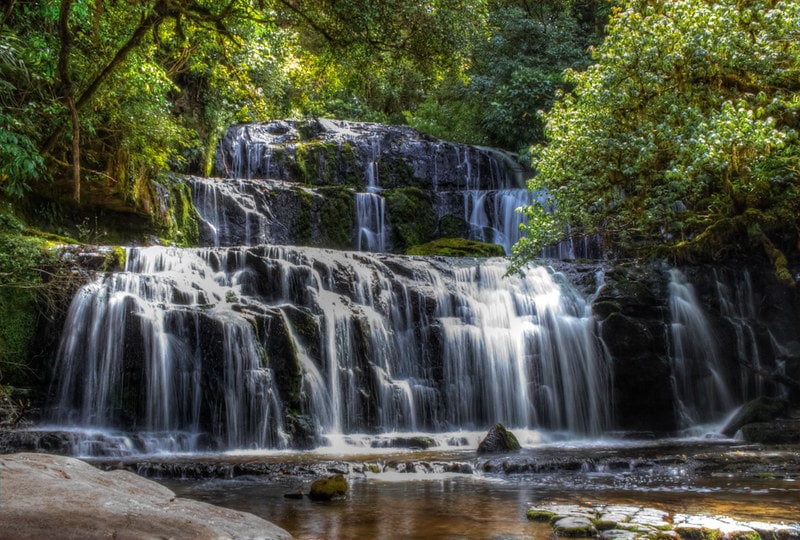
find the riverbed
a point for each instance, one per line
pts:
(458, 494)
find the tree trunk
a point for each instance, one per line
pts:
(76, 150)
(68, 94)
(145, 25)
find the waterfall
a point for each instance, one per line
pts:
(159, 346)
(229, 347)
(231, 213)
(701, 391)
(481, 187)
(737, 307)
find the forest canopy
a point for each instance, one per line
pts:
(655, 127)
(681, 138)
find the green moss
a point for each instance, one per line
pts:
(412, 215)
(20, 259)
(603, 524)
(114, 259)
(457, 247)
(181, 222)
(336, 217)
(396, 173)
(452, 227)
(326, 489)
(540, 515)
(326, 164)
(302, 225)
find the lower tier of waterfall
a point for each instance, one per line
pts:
(268, 347)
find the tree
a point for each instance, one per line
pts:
(513, 73)
(682, 138)
(143, 83)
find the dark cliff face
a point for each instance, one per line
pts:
(631, 310)
(743, 343)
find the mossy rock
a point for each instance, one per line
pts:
(21, 257)
(574, 527)
(498, 440)
(412, 215)
(761, 409)
(336, 217)
(540, 515)
(451, 226)
(114, 260)
(457, 247)
(327, 164)
(327, 489)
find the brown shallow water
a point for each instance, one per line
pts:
(492, 504)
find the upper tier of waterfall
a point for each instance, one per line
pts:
(277, 181)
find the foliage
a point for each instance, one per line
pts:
(683, 135)
(374, 60)
(20, 258)
(20, 161)
(150, 86)
(512, 74)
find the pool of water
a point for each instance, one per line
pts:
(488, 503)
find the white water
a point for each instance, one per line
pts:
(431, 349)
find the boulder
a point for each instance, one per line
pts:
(46, 496)
(775, 432)
(326, 489)
(762, 409)
(498, 440)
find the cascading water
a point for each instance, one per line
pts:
(232, 347)
(482, 187)
(701, 391)
(737, 307)
(371, 206)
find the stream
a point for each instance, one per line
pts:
(415, 494)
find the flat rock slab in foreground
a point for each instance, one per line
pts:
(45, 496)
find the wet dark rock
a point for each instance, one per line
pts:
(498, 440)
(631, 308)
(776, 432)
(761, 409)
(327, 489)
(414, 443)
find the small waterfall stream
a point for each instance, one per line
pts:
(702, 393)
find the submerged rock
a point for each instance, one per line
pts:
(327, 489)
(47, 496)
(498, 440)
